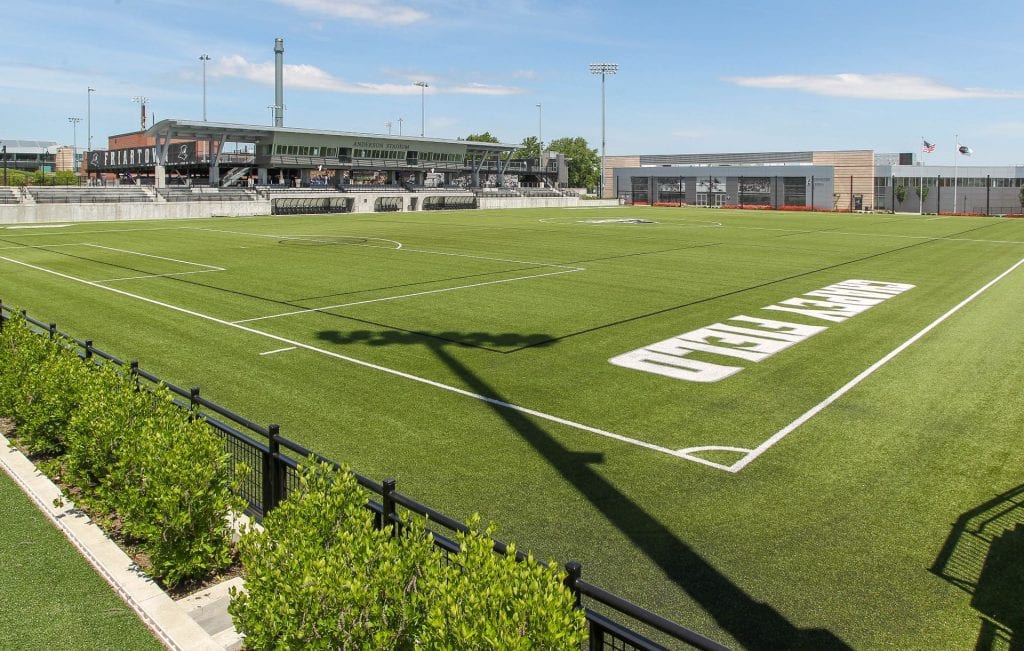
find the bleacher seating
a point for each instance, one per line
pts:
(207, 194)
(9, 195)
(86, 194)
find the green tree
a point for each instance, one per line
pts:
(901, 193)
(482, 137)
(529, 149)
(584, 163)
(921, 191)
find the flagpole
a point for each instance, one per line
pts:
(920, 188)
(956, 150)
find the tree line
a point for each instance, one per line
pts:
(584, 163)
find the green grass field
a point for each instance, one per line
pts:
(803, 500)
(51, 598)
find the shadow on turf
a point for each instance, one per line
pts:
(984, 556)
(753, 624)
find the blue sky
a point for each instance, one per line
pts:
(693, 77)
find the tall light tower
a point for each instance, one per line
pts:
(74, 143)
(204, 58)
(400, 121)
(540, 135)
(603, 69)
(388, 125)
(142, 100)
(423, 104)
(275, 111)
(88, 95)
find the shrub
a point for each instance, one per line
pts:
(172, 488)
(321, 576)
(110, 412)
(42, 385)
(489, 601)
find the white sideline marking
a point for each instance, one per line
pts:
(395, 298)
(279, 350)
(143, 277)
(815, 410)
(376, 367)
(40, 226)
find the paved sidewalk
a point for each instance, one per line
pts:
(198, 622)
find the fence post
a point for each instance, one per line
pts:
(53, 331)
(1, 315)
(271, 476)
(388, 506)
(573, 572)
(133, 367)
(193, 395)
(88, 348)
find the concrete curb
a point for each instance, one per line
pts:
(167, 619)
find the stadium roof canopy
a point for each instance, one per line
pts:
(225, 132)
(30, 146)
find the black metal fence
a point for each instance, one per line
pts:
(266, 467)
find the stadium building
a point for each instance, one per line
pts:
(849, 181)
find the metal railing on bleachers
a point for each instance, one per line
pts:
(86, 194)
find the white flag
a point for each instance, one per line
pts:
(965, 150)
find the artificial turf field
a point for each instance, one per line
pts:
(806, 498)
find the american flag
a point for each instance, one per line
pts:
(927, 147)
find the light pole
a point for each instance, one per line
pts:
(88, 115)
(603, 69)
(400, 121)
(204, 58)
(540, 135)
(142, 100)
(388, 125)
(74, 143)
(423, 104)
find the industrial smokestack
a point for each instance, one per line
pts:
(279, 82)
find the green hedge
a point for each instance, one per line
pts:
(130, 453)
(320, 575)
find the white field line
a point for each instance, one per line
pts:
(908, 237)
(376, 367)
(158, 257)
(279, 350)
(395, 298)
(815, 410)
(208, 267)
(307, 238)
(400, 248)
(143, 277)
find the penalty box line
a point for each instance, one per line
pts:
(205, 268)
(376, 367)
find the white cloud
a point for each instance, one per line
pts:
(371, 11)
(484, 89)
(872, 86)
(309, 77)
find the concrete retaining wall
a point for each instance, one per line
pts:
(88, 212)
(364, 202)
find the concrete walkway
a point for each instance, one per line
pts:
(197, 622)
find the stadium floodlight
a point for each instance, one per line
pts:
(74, 143)
(423, 104)
(204, 58)
(400, 121)
(388, 125)
(142, 100)
(603, 69)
